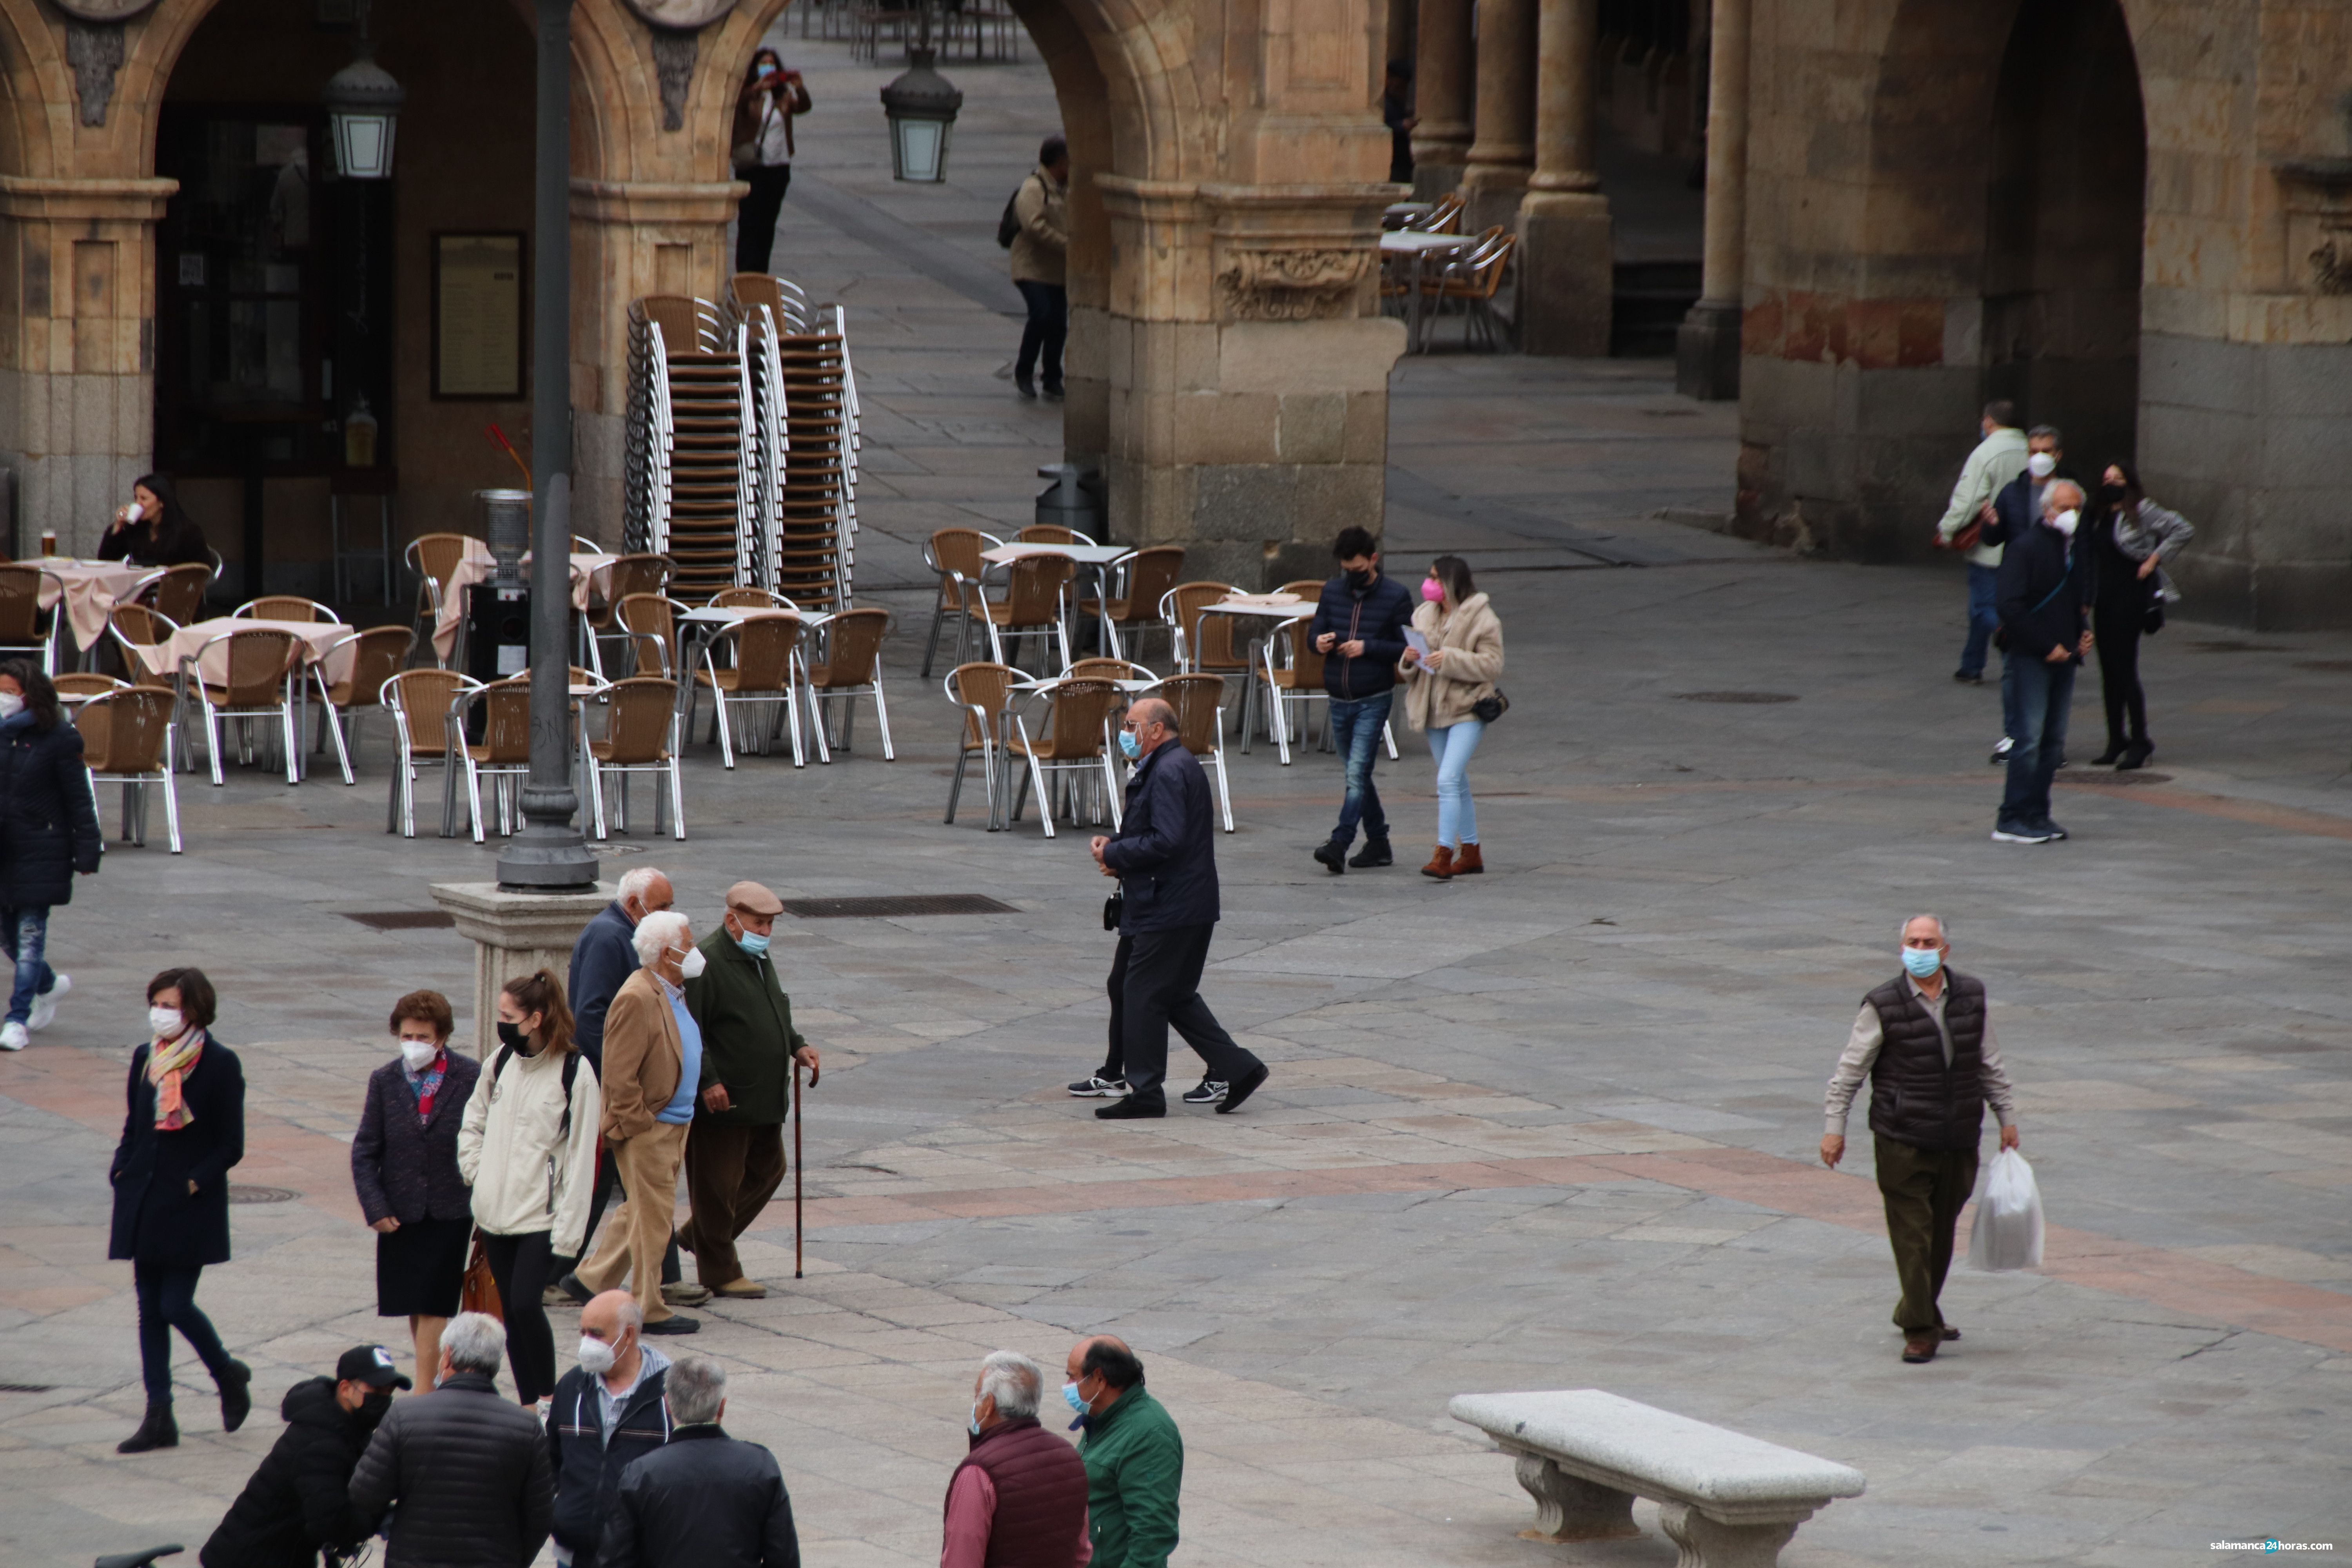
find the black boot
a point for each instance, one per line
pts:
(156, 1431)
(1333, 855)
(237, 1394)
(2115, 748)
(1375, 852)
(2135, 755)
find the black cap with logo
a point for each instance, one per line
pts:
(371, 1364)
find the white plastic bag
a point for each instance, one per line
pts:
(2007, 1234)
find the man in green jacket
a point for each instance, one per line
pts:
(1133, 1453)
(735, 1152)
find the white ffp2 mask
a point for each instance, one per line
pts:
(2042, 465)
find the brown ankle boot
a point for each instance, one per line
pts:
(1441, 863)
(1467, 862)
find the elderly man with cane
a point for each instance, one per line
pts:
(735, 1156)
(1164, 855)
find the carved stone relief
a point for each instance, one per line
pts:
(95, 52)
(673, 55)
(1292, 285)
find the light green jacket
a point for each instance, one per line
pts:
(1999, 459)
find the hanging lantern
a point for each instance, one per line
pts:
(364, 111)
(922, 107)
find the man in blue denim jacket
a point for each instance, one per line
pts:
(1359, 628)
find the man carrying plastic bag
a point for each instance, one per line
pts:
(2008, 1231)
(1924, 1040)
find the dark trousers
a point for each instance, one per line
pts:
(521, 1266)
(1155, 982)
(2116, 628)
(167, 1301)
(730, 1174)
(1924, 1190)
(608, 1182)
(1049, 324)
(2045, 692)
(755, 220)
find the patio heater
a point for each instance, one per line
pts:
(922, 105)
(548, 855)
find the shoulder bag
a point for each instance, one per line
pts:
(1486, 710)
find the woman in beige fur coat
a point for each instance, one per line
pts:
(1441, 691)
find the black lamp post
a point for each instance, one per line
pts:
(921, 104)
(548, 855)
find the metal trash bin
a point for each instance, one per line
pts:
(1074, 500)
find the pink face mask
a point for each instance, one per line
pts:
(1431, 591)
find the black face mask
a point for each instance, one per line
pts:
(372, 1408)
(1359, 581)
(2113, 495)
(512, 1036)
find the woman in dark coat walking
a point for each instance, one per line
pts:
(404, 1168)
(49, 830)
(185, 1132)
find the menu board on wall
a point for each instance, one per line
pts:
(477, 343)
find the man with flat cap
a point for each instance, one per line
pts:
(298, 1501)
(735, 1153)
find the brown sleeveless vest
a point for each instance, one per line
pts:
(1041, 1495)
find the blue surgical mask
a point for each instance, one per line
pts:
(1128, 746)
(1074, 1399)
(1921, 961)
(975, 1420)
(753, 943)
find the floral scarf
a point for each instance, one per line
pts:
(427, 1084)
(168, 1062)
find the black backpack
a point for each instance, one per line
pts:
(571, 1071)
(1008, 227)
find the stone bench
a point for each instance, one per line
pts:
(1728, 1500)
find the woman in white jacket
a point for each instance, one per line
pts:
(528, 1147)
(1443, 694)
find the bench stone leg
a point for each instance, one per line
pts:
(1711, 1543)
(1568, 1508)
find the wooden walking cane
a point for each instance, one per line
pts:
(796, 1168)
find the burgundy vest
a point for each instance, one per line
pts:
(1041, 1495)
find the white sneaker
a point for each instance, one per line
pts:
(45, 1006)
(13, 1036)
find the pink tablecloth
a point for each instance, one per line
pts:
(314, 640)
(92, 589)
(589, 573)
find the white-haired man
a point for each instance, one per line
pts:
(2045, 614)
(466, 1467)
(653, 1060)
(608, 1413)
(1925, 1041)
(1020, 1495)
(704, 1498)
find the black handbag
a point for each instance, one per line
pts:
(1486, 710)
(1114, 908)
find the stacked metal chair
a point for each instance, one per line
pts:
(692, 481)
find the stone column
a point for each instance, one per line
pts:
(1566, 267)
(1445, 87)
(513, 934)
(1502, 149)
(1707, 346)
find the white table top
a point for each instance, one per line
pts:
(728, 614)
(1296, 609)
(1405, 240)
(1048, 682)
(1084, 555)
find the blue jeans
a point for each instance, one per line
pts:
(1458, 814)
(1983, 581)
(1356, 731)
(167, 1301)
(26, 933)
(2045, 692)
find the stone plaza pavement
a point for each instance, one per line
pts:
(1549, 1127)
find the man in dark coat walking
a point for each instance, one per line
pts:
(468, 1468)
(703, 1500)
(735, 1152)
(1165, 857)
(48, 831)
(1359, 628)
(299, 1499)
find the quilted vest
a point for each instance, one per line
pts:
(1041, 1494)
(1915, 1099)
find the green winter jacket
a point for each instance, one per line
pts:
(1135, 1470)
(748, 1038)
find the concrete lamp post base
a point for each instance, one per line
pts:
(514, 934)
(1706, 351)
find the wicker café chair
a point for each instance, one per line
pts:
(851, 668)
(140, 634)
(1109, 670)
(74, 688)
(639, 738)
(377, 655)
(422, 703)
(126, 739)
(1149, 573)
(1079, 716)
(1050, 533)
(1201, 642)
(435, 558)
(649, 621)
(24, 626)
(177, 592)
(630, 577)
(1034, 604)
(1199, 701)
(285, 607)
(750, 599)
(1293, 673)
(767, 671)
(954, 554)
(981, 692)
(503, 753)
(263, 667)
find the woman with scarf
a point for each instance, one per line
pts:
(762, 153)
(404, 1169)
(185, 1132)
(49, 830)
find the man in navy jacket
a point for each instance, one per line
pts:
(2044, 599)
(2011, 513)
(1359, 628)
(1164, 855)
